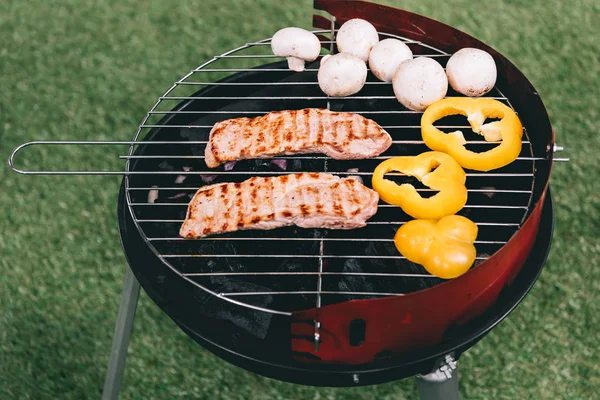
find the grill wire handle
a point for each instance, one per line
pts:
(19, 149)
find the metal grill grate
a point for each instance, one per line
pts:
(290, 269)
(320, 258)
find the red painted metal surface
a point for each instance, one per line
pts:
(415, 320)
(420, 319)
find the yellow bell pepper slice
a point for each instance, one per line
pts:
(508, 129)
(448, 179)
(445, 248)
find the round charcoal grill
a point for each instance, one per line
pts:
(317, 306)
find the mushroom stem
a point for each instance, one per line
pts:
(295, 64)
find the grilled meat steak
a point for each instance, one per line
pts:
(340, 135)
(308, 200)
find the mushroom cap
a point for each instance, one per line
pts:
(386, 56)
(296, 42)
(342, 75)
(471, 72)
(419, 82)
(357, 37)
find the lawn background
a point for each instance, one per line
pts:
(85, 69)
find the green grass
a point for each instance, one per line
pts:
(83, 69)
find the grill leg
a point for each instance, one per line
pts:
(441, 384)
(116, 364)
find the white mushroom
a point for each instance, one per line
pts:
(386, 56)
(298, 45)
(420, 82)
(471, 72)
(342, 75)
(357, 37)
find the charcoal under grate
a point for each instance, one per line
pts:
(290, 269)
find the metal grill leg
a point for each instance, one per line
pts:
(116, 364)
(441, 384)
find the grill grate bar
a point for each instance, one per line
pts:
(476, 223)
(312, 157)
(320, 56)
(192, 83)
(253, 56)
(268, 43)
(383, 126)
(252, 70)
(231, 294)
(501, 206)
(418, 190)
(407, 41)
(265, 112)
(315, 256)
(399, 275)
(296, 239)
(368, 222)
(291, 98)
(384, 112)
(502, 174)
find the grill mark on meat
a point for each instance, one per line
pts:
(349, 126)
(304, 134)
(226, 200)
(277, 133)
(238, 207)
(288, 138)
(304, 209)
(261, 140)
(292, 132)
(351, 199)
(289, 133)
(357, 127)
(323, 122)
(319, 127)
(271, 185)
(248, 139)
(337, 208)
(308, 200)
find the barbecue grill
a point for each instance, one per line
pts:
(316, 306)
